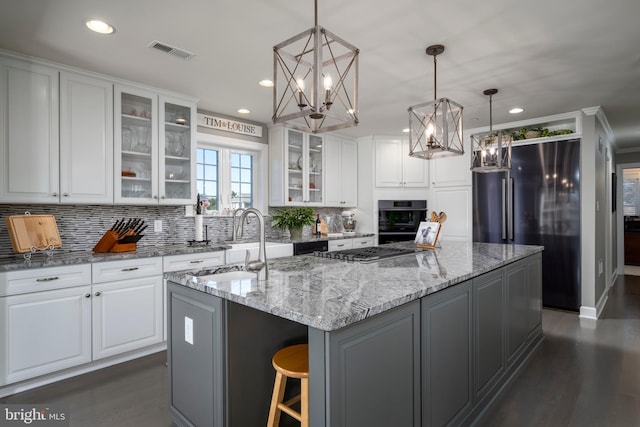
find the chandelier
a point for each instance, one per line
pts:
(315, 81)
(491, 152)
(435, 127)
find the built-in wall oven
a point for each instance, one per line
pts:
(399, 220)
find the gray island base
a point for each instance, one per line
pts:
(425, 339)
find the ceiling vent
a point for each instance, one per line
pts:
(171, 50)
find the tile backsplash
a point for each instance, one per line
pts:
(81, 226)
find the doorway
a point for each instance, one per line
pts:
(628, 218)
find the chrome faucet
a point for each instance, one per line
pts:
(259, 265)
(234, 233)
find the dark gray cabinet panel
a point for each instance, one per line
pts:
(374, 370)
(488, 331)
(534, 274)
(517, 309)
(446, 356)
(196, 365)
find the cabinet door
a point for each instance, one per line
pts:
(295, 182)
(349, 173)
(86, 139)
(446, 356)
(374, 370)
(127, 315)
(488, 332)
(415, 170)
(534, 275)
(176, 169)
(388, 154)
(135, 146)
(29, 144)
(333, 179)
(43, 332)
(314, 165)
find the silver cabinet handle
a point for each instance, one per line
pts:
(155, 196)
(54, 195)
(163, 197)
(47, 279)
(65, 194)
(87, 295)
(130, 269)
(197, 262)
(97, 294)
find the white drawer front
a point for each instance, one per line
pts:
(363, 242)
(340, 245)
(192, 261)
(112, 271)
(44, 279)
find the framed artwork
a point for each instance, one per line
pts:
(427, 235)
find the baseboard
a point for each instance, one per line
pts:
(594, 313)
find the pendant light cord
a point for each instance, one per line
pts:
(315, 13)
(490, 115)
(435, 78)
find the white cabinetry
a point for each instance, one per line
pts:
(340, 245)
(86, 139)
(296, 163)
(45, 321)
(127, 313)
(363, 242)
(29, 144)
(341, 172)
(395, 168)
(57, 135)
(154, 146)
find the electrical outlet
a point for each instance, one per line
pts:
(157, 226)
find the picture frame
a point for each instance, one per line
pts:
(427, 234)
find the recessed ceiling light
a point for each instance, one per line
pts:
(406, 130)
(266, 83)
(243, 111)
(516, 110)
(99, 26)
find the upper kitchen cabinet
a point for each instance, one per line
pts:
(341, 172)
(29, 144)
(57, 135)
(296, 161)
(86, 139)
(394, 166)
(154, 148)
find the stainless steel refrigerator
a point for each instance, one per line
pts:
(537, 203)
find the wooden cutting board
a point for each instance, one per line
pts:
(39, 231)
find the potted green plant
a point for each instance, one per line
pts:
(293, 219)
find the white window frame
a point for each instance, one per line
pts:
(225, 146)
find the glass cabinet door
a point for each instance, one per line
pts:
(177, 150)
(295, 184)
(314, 169)
(135, 146)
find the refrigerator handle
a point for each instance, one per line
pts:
(504, 209)
(510, 208)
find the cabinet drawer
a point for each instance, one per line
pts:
(362, 242)
(44, 279)
(112, 271)
(192, 261)
(340, 245)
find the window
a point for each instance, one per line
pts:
(231, 173)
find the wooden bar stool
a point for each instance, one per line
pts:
(290, 362)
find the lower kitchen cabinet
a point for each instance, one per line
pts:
(44, 332)
(447, 356)
(127, 315)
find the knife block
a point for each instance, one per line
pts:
(109, 243)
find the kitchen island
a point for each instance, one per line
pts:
(427, 338)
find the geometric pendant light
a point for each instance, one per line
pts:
(435, 127)
(315, 76)
(491, 152)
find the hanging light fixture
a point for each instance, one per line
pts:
(315, 81)
(491, 152)
(435, 127)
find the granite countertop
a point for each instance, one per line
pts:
(60, 257)
(313, 238)
(329, 294)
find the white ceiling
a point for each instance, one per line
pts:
(547, 56)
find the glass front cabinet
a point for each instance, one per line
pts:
(155, 148)
(297, 160)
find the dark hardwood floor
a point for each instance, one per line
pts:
(585, 373)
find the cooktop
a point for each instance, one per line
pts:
(370, 254)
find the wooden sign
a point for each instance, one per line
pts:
(227, 125)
